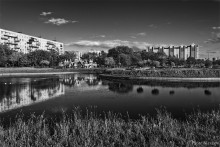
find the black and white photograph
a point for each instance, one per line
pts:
(109, 73)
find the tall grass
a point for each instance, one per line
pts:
(199, 129)
(188, 73)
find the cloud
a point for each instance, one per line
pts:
(59, 21)
(108, 44)
(152, 26)
(216, 28)
(141, 34)
(215, 37)
(46, 13)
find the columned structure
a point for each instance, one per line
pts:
(181, 52)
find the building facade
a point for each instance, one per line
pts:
(25, 43)
(181, 52)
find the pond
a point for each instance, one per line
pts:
(53, 95)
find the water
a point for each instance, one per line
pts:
(53, 95)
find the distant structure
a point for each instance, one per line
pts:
(181, 52)
(25, 43)
(78, 55)
(95, 51)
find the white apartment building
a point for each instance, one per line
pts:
(25, 43)
(181, 52)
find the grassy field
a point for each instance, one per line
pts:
(200, 129)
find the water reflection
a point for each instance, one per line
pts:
(140, 90)
(78, 80)
(155, 91)
(120, 87)
(172, 92)
(207, 92)
(135, 97)
(15, 94)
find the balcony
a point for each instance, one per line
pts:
(33, 46)
(4, 38)
(17, 40)
(10, 35)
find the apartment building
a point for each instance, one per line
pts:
(25, 43)
(181, 52)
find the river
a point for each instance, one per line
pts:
(57, 94)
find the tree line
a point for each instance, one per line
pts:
(124, 56)
(37, 58)
(120, 56)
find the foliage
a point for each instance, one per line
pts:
(156, 63)
(44, 63)
(199, 129)
(208, 63)
(109, 61)
(191, 61)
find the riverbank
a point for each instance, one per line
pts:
(200, 129)
(45, 71)
(165, 74)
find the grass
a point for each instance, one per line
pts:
(183, 73)
(200, 129)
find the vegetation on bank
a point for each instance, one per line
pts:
(199, 129)
(183, 73)
(120, 56)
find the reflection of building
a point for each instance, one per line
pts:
(181, 52)
(29, 93)
(25, 43)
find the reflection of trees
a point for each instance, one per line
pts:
(155, 91)
(172, 92)
(120, 87)
(78, 80)
(13, 95)
(207, 92)
(140, 90)
(170, 83)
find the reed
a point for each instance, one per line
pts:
(199, 129)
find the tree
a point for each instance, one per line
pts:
(14, 58)
(109, 61)
(89, 56)
(120, 51)
(23, 61)
(208, 63)
(156, 63)
(5, 52)
(100, 60)
(125, 59)
(44, 63)
(191, 61)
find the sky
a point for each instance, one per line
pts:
(103, 24)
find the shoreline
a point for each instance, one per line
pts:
(34, 73)
(209, 79)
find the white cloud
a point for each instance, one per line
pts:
(108, 44)
(141, 34)
(152, 26)
(216, 28)
(46, 13)
(59, 21)
(215, 38)
(102, 36)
